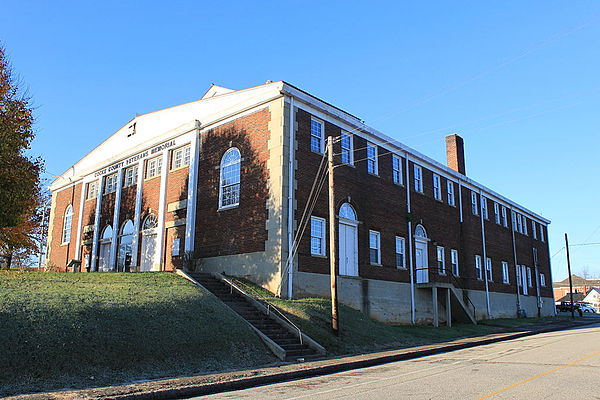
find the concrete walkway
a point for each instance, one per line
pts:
(208, 384)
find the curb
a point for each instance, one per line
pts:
(203, 389)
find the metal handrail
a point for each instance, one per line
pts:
(452, 279)
(264, 300)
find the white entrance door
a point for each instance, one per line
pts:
(148, 251)
(421, 263)
(348, 250)
(104, 262)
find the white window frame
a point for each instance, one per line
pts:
(67, 224)
(180, 157)
(111, 183)
(529, 281)
(347, 155)
(418, 178)
(441, 260)
(450, 190)
(504, 217)
(513, 216)
(519, 277)
(377, 236)
(474, 206)
(454, 262)
(542, 280)
(519, 224)
(505, 273)
(131, 174)
(489, 273)
(400, 252)
(484, 207)
(525, 225)
(372, 159)
(92, 190)
(233, 185)
(320, 139)
(437, 187)
(478, 268)
(397, 170)
(321, 239)
(533, 229)
(542, 238)
(153, 167)
(497, 213)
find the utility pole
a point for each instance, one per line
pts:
(332, 246)
(570, 280)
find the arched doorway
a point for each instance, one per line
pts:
(105, 242)
(421, 260)
(148, 242)
(348, 241)
(124, 251)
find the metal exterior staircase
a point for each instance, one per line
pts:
(285, 343)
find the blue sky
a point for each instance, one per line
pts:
(518, 80)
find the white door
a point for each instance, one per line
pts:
(104, 262)
(421, 262)
(148, 251)
(348, 250)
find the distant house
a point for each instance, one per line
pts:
(580, 285)
(577, 298)
(593, 298)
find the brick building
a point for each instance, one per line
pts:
(206, 185)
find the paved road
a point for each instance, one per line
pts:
(557, 365)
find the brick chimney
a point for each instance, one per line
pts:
(455, 153)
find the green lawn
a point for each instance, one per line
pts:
(75, 330)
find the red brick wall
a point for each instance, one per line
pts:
(61, 254)
(381, 206)
(241, 229)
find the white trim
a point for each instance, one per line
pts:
(80, 220)
(417, 183)
(114, 244)
(96, 235)
(160, 233)
(322, 238)
(190, 216)
(291, 183)
(397, 171)
(437, 180)
(135, 245)
(375, 159)
(400, 240)
(454, 252)
(377, 235)
(350, 149)
(320, 122)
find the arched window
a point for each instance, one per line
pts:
(420, 231)
(127, 228)
(107, 233)
(347, 211)
(124, 251)
(66, 236)
(150, 222)
(229, 186)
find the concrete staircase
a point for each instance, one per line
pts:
(288, 347)
(456, 303)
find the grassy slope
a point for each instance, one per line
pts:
(58, 328)
(360, 333)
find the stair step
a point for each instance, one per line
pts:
(286, 341)
(295, 353)
(294, 346)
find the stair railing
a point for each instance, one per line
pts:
(260, 298)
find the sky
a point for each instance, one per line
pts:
(517, 79)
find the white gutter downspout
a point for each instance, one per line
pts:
(410, 245)
(485, 275)
(518, 279)
(290, 225)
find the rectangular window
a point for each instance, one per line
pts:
(519, 224)
(529, 282)
(525, 225)
(92, 190)
(504, 217)
(153, 167)
(505, 278)
(514, 220)
(478, 270)
(317, 236)
(347, 148)
(181, 157)
(497, 213)
(541, 232)
(484, 208)
(397, 169)
(451, 200)
(418, 173)
(374, 249)
(372, 167)
(111, 183)
(533, 229)
(454, 262)
(542, 280)
(474, 209)
(441, 262)
(519, 279)
(437, 187)
(400, 252)
(317, 137)
(488, 269)
(131, 176)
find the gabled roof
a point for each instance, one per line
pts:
(577, 281)
(576, 297)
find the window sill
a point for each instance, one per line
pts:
(319, 256)
(152, 177)
(225, 208)
(178, 168)
(376, 265)
(65, 243)
(373, 174)
(348, 165)
(321, 153)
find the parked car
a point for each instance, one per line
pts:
(565, 306)
(586, 308)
